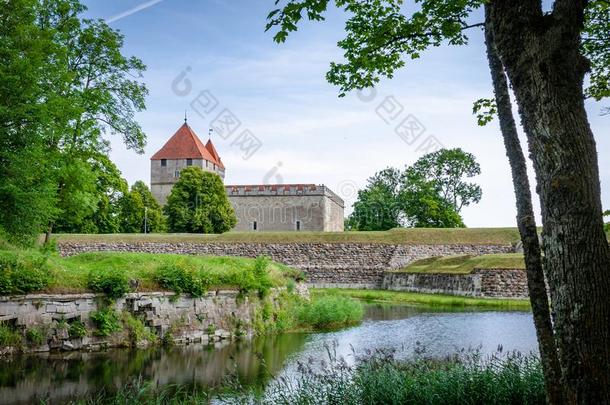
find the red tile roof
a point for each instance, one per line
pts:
(210, 147)
(185, 144)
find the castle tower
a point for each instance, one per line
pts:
(183, 149)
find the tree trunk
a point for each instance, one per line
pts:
(47, 234)
(541, 54)
(527, 225)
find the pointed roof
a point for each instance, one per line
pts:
(185, 144)
(210, 147)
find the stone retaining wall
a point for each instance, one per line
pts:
(218, 315)
(326, 264)
(487, 283)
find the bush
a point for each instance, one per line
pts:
(138, 331)
(114, 283)
(21, 272)
(329, 312)
(181, 278)
(9, 336)
(77, 330)
(106, 320)
(35, 336)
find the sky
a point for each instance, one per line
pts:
(212, 59)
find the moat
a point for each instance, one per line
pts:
(407, 329)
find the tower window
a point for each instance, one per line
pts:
(177, 173)
(206, 163)
(163, 162)
(254, 225)
(298, 225)
(189, 162)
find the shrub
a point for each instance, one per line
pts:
(35, 336)
(23, 272)
(9, 336)
(106, 320)
(77, 330)
(329, 312)
(182, 277)
(138, 332)
(114, 283)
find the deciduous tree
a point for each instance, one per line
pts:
(198, 203)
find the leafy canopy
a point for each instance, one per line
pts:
(198, 202)
(430, 193)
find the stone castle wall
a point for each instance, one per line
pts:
(325, 264)
(286, 207)
(218, 315)
(484, 283)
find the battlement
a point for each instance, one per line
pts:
(250, 190)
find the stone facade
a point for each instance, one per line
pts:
(164, 173)
(325, 264)
(286, 207)
(484, 283)
(216, 316)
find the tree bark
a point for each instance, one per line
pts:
(527, 225)
(541, 54)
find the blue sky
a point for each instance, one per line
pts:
(279, 94)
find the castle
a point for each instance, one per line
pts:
(260, 207)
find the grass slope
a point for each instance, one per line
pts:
(465, 264)
(71, 274)
(432, 300)
(410, 236)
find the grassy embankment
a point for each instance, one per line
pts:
(447, 265)
(116, 274)
(410, 236)
(466, 264)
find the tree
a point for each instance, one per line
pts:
(424, 195)
(137, 209)
(102, 211)
(542, 56)
(447, 169)
(423, 203)
(198, 202)
(155, 220)
(27, 191)
(96, 84)
(377, 207)
(607, 224)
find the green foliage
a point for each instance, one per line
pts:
(138, 332)
(35, 336)
(430, 193)
(137, 208)
(485, 110)
(64, 83)
(607, 224)
(329, 312)
(112, 282)
(381, 379)
(198, 203)
(23, 272)
(596, 37)
(9, 336)
(181, 277)
(77, 330)
(106, 320)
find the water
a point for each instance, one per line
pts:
(405, 328)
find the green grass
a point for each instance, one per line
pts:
(465, 264)
(325, 312)
(432, 300)
(406, 236)
(74, 274)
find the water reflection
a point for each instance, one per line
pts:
(59, 377)
(442, 332)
